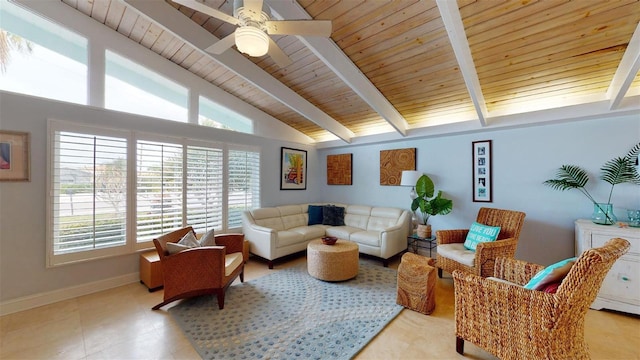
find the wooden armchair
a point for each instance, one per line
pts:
(512, 322)
(481, 261)
(201, 270)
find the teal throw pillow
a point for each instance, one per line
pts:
(315, 214)
(480, 233)
(552, 273)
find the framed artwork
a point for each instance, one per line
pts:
(392, 162)
(14, 156)
(482, 181)
(339, 169)
(293, 169)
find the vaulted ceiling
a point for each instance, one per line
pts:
(408, 67)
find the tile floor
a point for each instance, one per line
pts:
(119, 324)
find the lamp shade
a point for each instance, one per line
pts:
(410, 177)
(252, 41)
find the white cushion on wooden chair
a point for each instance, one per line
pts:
(231, 262)
(458, 253)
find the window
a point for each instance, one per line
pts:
(88, 194)
(216, 116)
(133, 88)
(159, 189)
(41, 56)
(113, 191)
(243, 185)
(204, 188)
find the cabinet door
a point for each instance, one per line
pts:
(622, 282)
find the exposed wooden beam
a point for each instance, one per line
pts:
(452, 20)
(181, 26)
(626, 72)
(332, 56)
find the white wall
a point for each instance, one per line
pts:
(22, 204)
(522, 159)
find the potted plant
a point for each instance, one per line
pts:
(428, 204)
(615, 171)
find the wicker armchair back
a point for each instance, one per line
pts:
(512, 322)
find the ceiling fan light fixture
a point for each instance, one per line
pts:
(252, 41)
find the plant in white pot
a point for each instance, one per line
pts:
(428, 204)
(615, 171)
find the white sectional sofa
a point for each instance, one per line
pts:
(275, 232)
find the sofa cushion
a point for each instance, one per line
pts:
(356, 221)
(290, 210)
(371, 238)
(268, 217)
(341, 232)
(310, 232)
(457, 252)
(293, 221)
(333, 215)
(315, 215)
(288, 237)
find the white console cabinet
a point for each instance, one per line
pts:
(621, 287)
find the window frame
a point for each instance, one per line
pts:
(132, 245)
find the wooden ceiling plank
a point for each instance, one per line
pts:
(336, 60)
(198, 37)
(626, 71)
(114, 14)
(99, 10)
(128, 21)
(453, 23)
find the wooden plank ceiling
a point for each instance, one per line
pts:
(523, 54)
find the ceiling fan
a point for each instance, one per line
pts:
(253, 19)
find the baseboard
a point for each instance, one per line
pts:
(50, 297)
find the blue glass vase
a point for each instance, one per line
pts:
(603, 214)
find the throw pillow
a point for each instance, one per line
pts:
(552, 273)
(188, 241)
(315, 214)
(480, 233)
(208, 239)
(333, 215)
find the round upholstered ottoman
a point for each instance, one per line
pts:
(337, 262)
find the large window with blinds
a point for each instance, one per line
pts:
(113, 191)
(158, 188)
(88, 192)
(244, 184)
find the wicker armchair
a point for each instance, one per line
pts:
(201, 270)
(512, 322)
(510, 223)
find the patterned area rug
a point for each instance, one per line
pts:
(290, 315)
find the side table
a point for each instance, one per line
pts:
(416, 242)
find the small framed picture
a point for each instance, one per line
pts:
(481, 165)
(293, 169)
(14, 156)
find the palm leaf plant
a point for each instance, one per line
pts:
(427, 203)
(615, 171)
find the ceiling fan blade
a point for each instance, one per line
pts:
(253, 8)
(300, 27)
(222, 45)
(198, 6)
(278, 56)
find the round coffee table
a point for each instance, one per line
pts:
(336, 262)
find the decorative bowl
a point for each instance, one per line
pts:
(329, 240)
